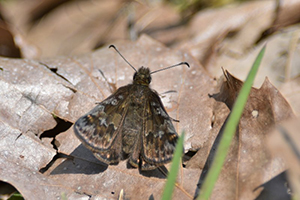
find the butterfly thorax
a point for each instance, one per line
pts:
(142, 77)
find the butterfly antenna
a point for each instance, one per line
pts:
(182, 63)
(113, 46)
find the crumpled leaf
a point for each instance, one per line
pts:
(232, 36)
(226, 28)
(76, 83)
(249, 164)
(65, 88)
(21, 158)
(31, 95)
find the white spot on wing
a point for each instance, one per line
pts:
(103, 122)
(160, 134)
(114, 102)
(158, 111)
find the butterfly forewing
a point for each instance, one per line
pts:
(99, 128)
(159, 135)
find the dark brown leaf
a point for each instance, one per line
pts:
(249, 164)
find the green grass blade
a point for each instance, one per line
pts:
(169, 187)
(229, 131)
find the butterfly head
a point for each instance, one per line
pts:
(142, 76)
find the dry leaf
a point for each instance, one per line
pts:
(291, 92)
(40, 96)
(232, 36)
(39, 101)
(248, 164)
(77, 27)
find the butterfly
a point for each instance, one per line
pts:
(131, 123)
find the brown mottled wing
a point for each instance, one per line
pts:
(99, 129)
(159, 135)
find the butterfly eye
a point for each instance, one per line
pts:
(134, 76)
(149, 79)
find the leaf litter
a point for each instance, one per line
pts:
(81, 174)
(68, 87)
(249, 164)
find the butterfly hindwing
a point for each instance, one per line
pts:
(159, 135)
(99, 129)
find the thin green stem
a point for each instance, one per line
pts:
(229, 131)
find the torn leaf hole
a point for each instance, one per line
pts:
(60, 127)
(44, 169)
(54, 70)
(70, 88)
(188, 155)
(8, 191)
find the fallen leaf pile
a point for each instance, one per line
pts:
(67, 67)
